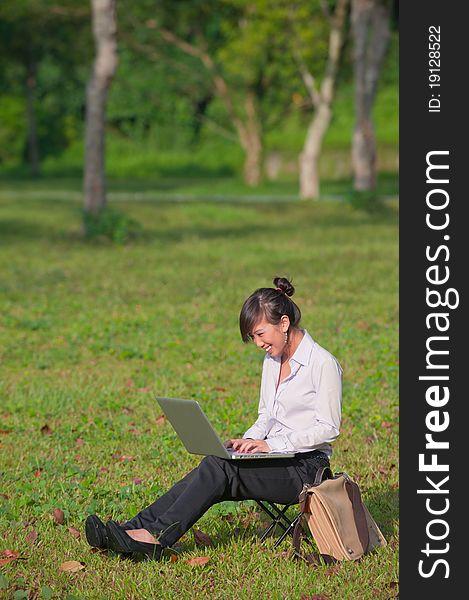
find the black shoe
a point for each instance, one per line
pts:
(120, 541)
(96, 532)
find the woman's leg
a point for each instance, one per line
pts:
(185, 502)
(215, 480)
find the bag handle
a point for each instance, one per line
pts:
(322, 474)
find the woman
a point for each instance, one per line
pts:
(299, 410)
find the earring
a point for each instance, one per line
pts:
(286, 337)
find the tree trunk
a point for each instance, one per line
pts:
(371, 33)
(248, 130)
(250, 135)
(252, 162)
(104, 68)
(309, 158)
(33, 144)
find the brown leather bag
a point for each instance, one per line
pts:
(340, 523)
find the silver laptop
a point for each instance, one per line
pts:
(198, 435)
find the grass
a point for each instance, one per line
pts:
(90, 331)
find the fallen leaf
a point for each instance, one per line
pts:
(330, 571)
(230, 518)
(10, 554)
(76, 534)
(198, 560)
(250, 519)
(161, 420)
(219, 389)
(137, 481)
(126, 458)
(201, 538)
(130, 383)
(386, 424)
(46, 430)
(173, 557)
(71, 566)
(37, 473)
(144, 389)
(32, 536)
(59, 516)
(189, 366)
(123, 457)
(104, 470)
(79, 442)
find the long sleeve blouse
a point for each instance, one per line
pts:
(303, 412)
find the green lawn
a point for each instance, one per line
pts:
(90, 332)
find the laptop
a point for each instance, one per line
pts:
(198, 435)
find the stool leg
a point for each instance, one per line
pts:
(287, 531)
(279, 519)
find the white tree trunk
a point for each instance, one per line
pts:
(309, 158)
(104, 68)
(371, 33)
(248, 129)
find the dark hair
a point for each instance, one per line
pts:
(272, 303)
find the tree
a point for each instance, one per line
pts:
(371, 34)
(33, 32)
(321, 100)
(240, 44)
(104, 68)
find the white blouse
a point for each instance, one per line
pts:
(304, 412)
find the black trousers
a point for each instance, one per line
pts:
(217, 480)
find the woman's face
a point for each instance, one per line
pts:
(271, 338)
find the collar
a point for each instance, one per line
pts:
(302, 354)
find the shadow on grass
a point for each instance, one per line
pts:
(33, 230)
(384, 508)
(14, 229)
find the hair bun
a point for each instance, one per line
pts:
(284, 285)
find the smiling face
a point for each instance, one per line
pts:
(269, 337)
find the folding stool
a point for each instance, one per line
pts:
(277, 513)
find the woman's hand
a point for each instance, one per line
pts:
(247, 445)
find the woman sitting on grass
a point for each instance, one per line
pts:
(299, 411)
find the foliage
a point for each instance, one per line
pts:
(111, 224)
(43, 46)
(89, 334)
(12, 129)
(162, 103)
